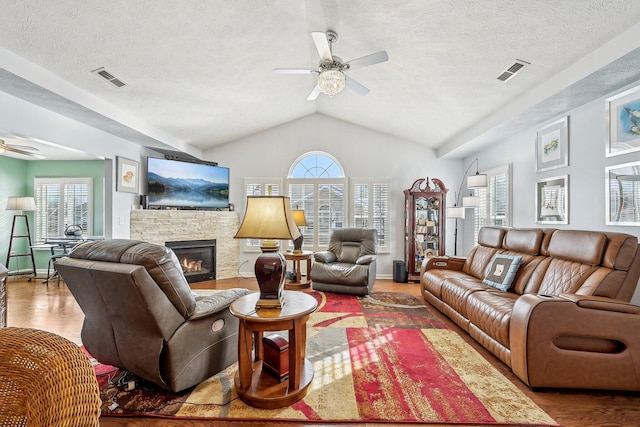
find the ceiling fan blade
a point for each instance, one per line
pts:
(374, 58)
(356, 87)
(322, 44)
(23, 147)
(314, 94)
(21, 152)
(293, 71)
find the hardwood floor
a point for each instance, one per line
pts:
(53, 308)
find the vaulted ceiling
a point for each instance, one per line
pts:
(199, 73)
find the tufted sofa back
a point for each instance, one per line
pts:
(562, 261)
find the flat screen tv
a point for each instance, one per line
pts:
(186, 185)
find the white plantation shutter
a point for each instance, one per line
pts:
(495, 201)
(370, 207)
(330, 211)
(61, 202)
(323, 201)
(302, 195)
(259, 187)
(317, 185)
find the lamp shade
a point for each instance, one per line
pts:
(479, 180)
(268, 217)
(455, 212)
(18, 203)
(299, 218)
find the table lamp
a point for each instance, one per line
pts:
(301, 221)
(269, 218)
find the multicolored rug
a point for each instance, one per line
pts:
(383, 358)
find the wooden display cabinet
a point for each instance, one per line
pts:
(424, 233)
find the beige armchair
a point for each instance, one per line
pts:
(141, 315)
(349, 264)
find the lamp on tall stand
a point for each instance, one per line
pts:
(457, 211)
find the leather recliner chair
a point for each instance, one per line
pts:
(349, 264)
(141, 315)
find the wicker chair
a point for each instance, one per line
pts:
(45, 380)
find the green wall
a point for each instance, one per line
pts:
(17, 177)
(12, 183)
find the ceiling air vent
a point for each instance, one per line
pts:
(512, 70)
(109, 77)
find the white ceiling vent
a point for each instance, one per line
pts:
(512, 70)
(109, 77)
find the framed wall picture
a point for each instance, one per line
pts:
(127, 175)
(552, 146)
(623, 194)
(552, 200)
(623, 117)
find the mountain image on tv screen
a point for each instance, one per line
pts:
(187, 185)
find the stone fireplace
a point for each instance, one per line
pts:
(162, 226)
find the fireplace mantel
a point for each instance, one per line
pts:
(160, 226)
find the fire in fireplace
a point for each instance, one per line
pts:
(197, 258)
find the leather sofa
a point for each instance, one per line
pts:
(141, 315)
(565, 321)
(349, 264)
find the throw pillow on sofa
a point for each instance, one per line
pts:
(502, 270)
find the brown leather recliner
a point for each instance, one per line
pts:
(141, 315)
(349, 264)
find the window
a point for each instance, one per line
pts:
(317, 184)
(61, 202)
(495, 201)
(370, 207)
(259, 187)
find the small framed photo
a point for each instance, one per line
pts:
(552, 146)
(622, 190)
(623, 117)
(552, 200)
(127, 171)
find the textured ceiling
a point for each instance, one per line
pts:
(201, 72)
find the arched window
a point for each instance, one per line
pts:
(316, 184)
(316, 165)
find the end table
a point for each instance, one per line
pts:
(256, 386)
(296, 258)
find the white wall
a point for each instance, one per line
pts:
(586, 170)
(361, 152)
(22, 118)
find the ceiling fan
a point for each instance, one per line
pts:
(331, 71)
(20, 149)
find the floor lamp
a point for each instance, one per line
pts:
(457, 211)
(22, 204)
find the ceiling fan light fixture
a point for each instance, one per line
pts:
(331, 82)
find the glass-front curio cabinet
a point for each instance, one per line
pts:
(424, 233)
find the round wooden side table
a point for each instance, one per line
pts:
(296, 258)
(256, 386)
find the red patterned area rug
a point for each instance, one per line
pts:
(382, 358)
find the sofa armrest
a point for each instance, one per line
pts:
(325, 257)
(601, 303)
(365, 259)
(206, 305)
(573, 341)
(443, 263)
